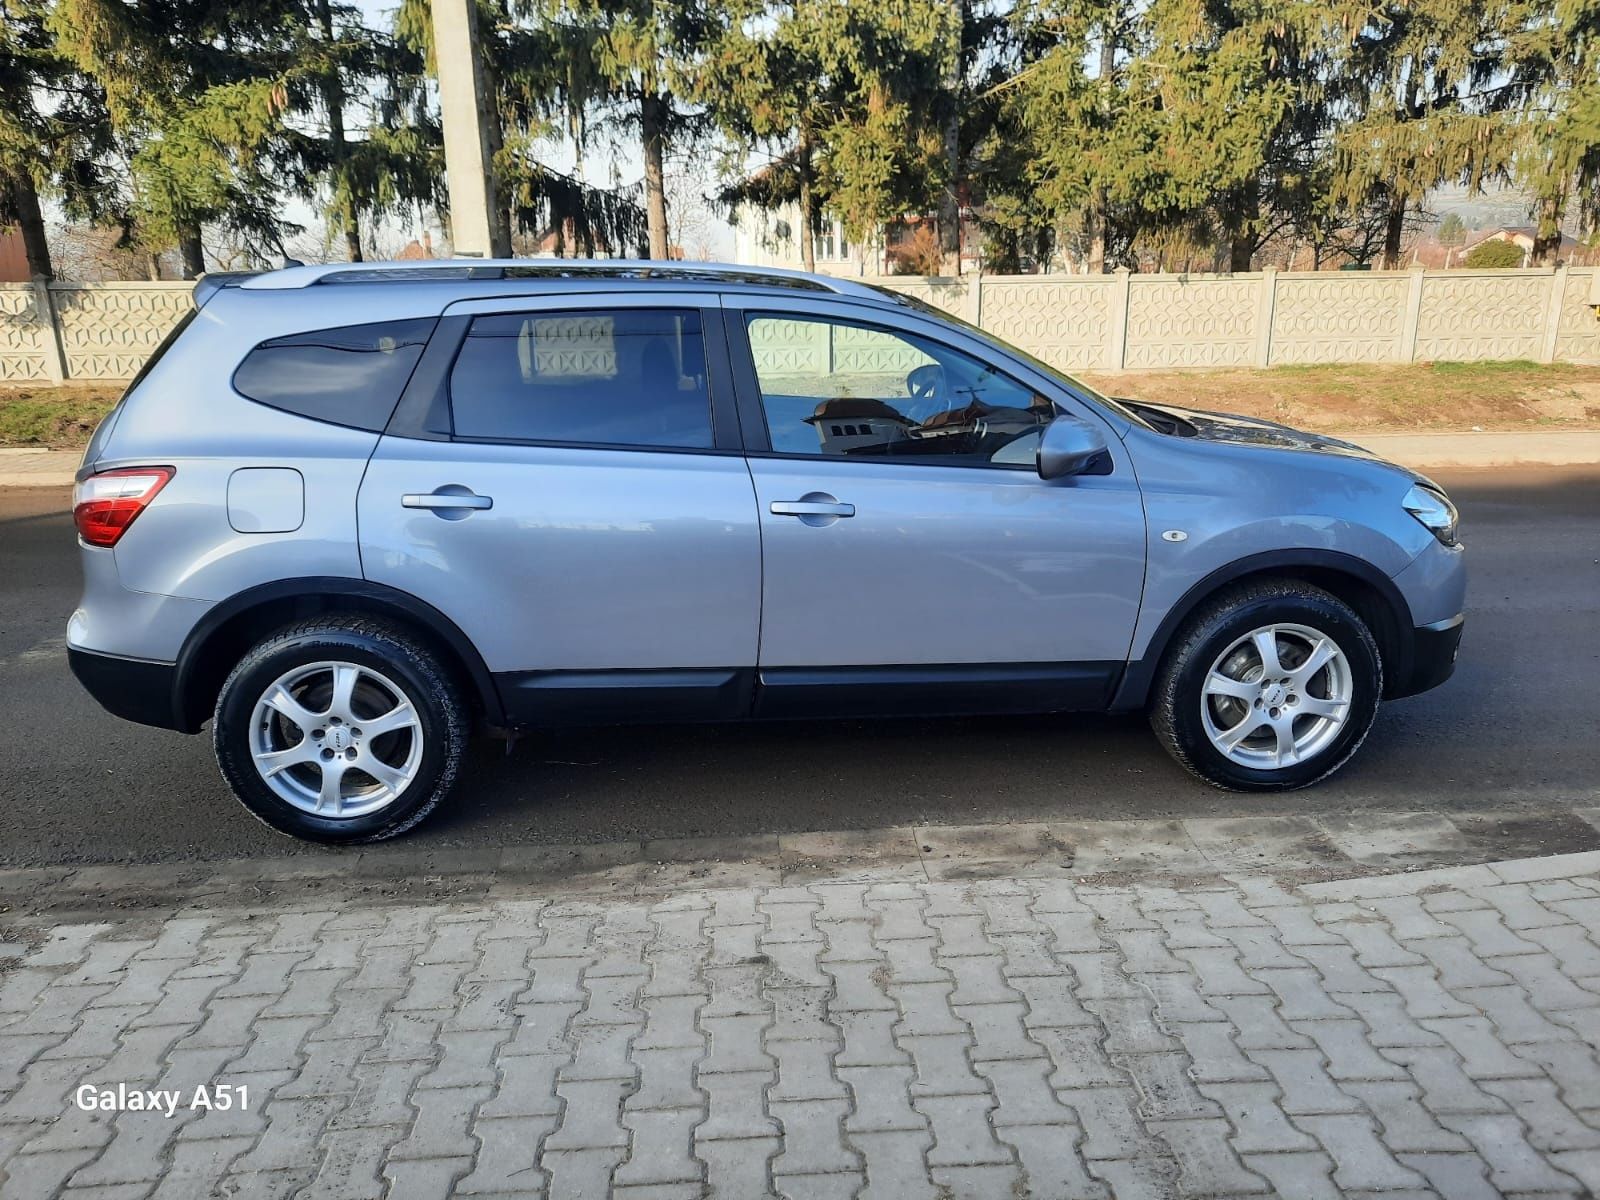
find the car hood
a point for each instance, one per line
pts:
(1251, 431)
(1204, 426)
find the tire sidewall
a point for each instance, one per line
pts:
(442, 738)
(1328, 617)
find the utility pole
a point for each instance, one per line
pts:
(478, 225)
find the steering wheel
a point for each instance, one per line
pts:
(926, 385)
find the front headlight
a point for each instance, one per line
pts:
(1434, 510)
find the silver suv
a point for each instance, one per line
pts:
(351, 513)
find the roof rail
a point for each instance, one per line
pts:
(418, 270)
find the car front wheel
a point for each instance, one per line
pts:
(340, 730)
(1270, 686)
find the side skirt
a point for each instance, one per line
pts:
(615, 697)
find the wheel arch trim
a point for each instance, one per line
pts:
(325, 591)
(1137, 679)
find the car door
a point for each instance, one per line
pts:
(563, 480)
(913, 559)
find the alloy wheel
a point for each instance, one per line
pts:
(336, 739)
(1277, 696)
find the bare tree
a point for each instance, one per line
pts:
(691, 184)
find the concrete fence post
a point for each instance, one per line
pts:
(1552, 314)
(44, 309)
(1117, 326)
(975, 297)
(1264, 311)
(1413, 317)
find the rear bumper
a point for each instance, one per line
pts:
(134, 689)
(1433, 655)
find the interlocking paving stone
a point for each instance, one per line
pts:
(1207, 1165)
(896, 1165)
(985, 1033)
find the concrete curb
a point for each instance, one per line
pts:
(1331, 858)
(26, 467)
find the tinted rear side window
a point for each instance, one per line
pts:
(628, 377)
(349, 376)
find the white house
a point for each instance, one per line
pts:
(1522, 237)
(764, 237)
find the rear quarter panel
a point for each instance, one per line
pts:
(185, 414)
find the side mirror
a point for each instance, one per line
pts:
(1068, 446)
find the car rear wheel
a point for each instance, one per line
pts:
(340, 730)
(1268, 687)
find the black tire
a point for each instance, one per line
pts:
(1176, 699)
(367, 642)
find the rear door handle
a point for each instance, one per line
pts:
(451, 500)
(812, 508)
(433, 501)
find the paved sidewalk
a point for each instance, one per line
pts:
(1491, 448)
(1425, 1034)
(23, 467)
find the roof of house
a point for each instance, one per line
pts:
(1516, 231)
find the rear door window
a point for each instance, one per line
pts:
(622, 377)
(351, 376)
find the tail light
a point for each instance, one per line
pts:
(104, 505)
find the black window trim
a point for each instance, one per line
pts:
(753, 414)
(424, 411)
(377, 427)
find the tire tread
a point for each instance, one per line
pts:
(445, 699)
(1165, 702)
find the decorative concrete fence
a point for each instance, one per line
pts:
(1106, 322)
(1270, 318)
(84, 331)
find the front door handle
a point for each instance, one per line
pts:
(812, 506)
(452, 501)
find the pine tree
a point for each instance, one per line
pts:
(993, 144)
(1092, 131)
(640, 56)
(1554, 59)
(542, 75)
(55, 134)
(1240, 86)
(770, 82)
(197, 92)
(346, 53)
(1426, 81)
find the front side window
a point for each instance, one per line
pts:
(835, 389)
(348, 376)
(626, 377)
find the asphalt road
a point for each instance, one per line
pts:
(1518, 727)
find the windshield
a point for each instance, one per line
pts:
(1044, 368)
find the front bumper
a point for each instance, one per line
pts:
(134, 689)
(1433, 655)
